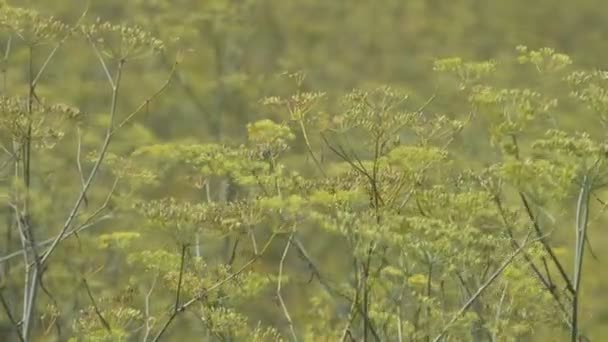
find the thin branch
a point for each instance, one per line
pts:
(204, 292)
(96, 166)
(95, 307)
(3, 148)
(50, 240)
(7, 53)
(88, 223)
(189, 92)
(342, 154)
(32, 273)
(78, 161)
(11, 318)
(147, 101)
(548, 282)
(499, 311)
(234, 248)
(28, 281)
(58, 45)
(254, 243)
(399, 328)
(309, 147)
(582, 220)
(428, 295)
(279, 295)
(332, 291)
(147, 309)
(352, 313)
(103, 63)
(544, 242)
(181, 274)
(481, 289)
(538, 229)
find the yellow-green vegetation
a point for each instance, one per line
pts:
(303, 170)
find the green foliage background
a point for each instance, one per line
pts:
(234, 143)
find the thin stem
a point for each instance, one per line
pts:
(147, 101)
(14, 322)
(104, 66)
(96, 166)
(538, 229)
(32, 273)
(7, 52)
(78, 161)
(309, 148)
(147, 309)
(352, 313)
(548, 282)
(57, 46)
(181, 274)
(88, 223)
(49, 241)
(204, 293)
(582, 219)
(544, 242)
(254, 243)
(499, 312)
(428, 295)
(399, 328)
(279, 294)
(481, 289)
(103, 321)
